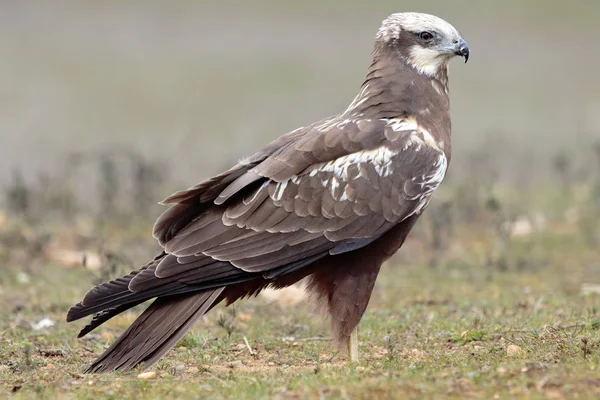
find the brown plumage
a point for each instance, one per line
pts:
(329, 202)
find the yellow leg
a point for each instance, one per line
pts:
(353, 345)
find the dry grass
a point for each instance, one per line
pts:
(483, 319)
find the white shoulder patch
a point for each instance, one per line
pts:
(339, 171)
(433, 181)
(402, 124)
(429, 183)
(380, 158)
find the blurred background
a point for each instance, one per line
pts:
(197, 84)
(108, 107)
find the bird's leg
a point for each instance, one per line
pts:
(353, 345)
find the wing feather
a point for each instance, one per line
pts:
(354, 197)
(330, 188)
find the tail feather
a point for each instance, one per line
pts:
(108, 297)
(155, 331)
(104, 316)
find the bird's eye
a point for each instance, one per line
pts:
(426, 36)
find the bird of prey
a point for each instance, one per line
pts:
(329, 202)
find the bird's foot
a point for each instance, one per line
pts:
(353, 345)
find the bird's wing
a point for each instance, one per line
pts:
(327, 189)
(336, 188)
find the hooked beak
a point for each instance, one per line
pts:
(462, 49)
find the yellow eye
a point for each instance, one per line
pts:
(426, 36)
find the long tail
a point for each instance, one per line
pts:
(156, 331)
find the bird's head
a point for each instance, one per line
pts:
(424, 41)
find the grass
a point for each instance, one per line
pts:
(464, 328)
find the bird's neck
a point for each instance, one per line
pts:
(394, 89)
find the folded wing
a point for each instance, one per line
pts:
(327, 189)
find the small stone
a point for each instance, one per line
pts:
(236, 364)
(23, 278)
(193, 370)
(513, 350)
(477, 349)
(416, 353)
(360, 369)
(147, 375)
(501, 370)
(44, 323)
(179, 369)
